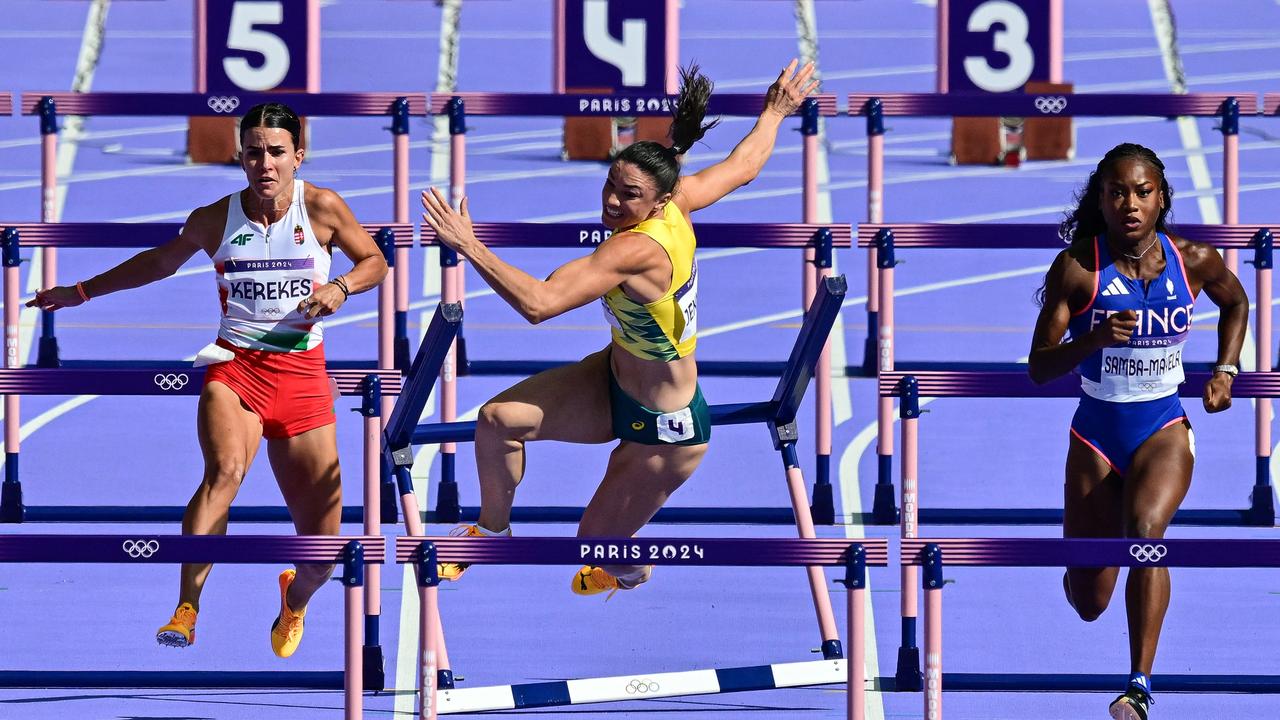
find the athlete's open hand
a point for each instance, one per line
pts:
(453, 227)
(790, 89)
(1217, 393)
(56, 298)
(1116, 329)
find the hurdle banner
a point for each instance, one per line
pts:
(402, 433)
(854, 555)
(6, 103)
(356, 554)
(887, 239)
(931, 555)
(1271, 104)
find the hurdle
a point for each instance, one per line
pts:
(878, 349)
(820, 241)
(402, 432)
(6, 103)
(885, 239)
(909, 386)
(398, 107)
(355, 554)
(854, 555)
(457, 106)
(930, 555)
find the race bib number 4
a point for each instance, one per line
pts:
(674, 427)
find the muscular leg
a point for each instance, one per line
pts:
(1092, 505)
(306, 468)
(229, 434)
(568, 403)
(1157, 482)
(638, 481)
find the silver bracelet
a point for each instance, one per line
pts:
(1231, 370)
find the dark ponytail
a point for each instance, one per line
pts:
(660, 162)
(273, 115)
(1082, 224)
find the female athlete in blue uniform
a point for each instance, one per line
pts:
(1124, 291)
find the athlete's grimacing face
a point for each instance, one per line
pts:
(629, 196)
(1131, 200)
(270, 160)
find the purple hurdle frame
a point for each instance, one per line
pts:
(397, 105)
(356, 554)
(884, 240)
(933, 554)
(878, 350)
(910, 386)
(855, 555)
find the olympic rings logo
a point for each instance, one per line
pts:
(642, 687)
(1148, 553)
(170, 381)
(1051, 105)
(1148, 386)
(138, 549)
(223, 104)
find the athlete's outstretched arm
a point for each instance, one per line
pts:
(1050, 357)
(570, 286)
(146, 267)
(708, 185)
(1224, 289)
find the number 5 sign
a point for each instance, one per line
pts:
(998, 45)
(257, 45)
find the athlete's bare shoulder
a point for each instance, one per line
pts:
(205, 224)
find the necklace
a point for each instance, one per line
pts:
(1144, 250)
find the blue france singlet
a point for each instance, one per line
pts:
(1149, 366)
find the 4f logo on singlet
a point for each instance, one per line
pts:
(242, 239)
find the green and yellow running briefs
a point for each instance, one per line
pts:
(634, 422)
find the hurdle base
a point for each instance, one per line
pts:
(884, 508)
(447, 510)
(375, 675)
(47, 355)
(157, 513)
(401, 355)
(1104, 682)
(11, 509)
(832, 650)
(389, 499)
(1262, 508)
(173, 679)
(907, 677)
(445, 680)
(666, 515)
(823, 508)
(1193, 517)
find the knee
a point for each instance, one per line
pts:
(224, 474)
(1089, 604)
(501, 419)
(1147, 525)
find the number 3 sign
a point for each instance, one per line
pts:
(997, 45)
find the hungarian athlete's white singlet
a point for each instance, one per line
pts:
(264, 272)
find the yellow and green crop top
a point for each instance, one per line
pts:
(667, 328)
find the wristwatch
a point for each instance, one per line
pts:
(1231, 370)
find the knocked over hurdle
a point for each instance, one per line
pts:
(402, 433)
(854, 555)
(458, 105)
(819, 242)
(932, 554)
(883, 241)
(353, 553)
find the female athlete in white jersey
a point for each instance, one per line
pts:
(271, 244)
(1125, 289)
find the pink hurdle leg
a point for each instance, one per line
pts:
(429, 651)
(372, 511)
(910, 527)
(1231, 192)
(884, 359)
(933, 654)
(12, 359)
(817, 580)
(353, 678)
(857, 663)
(413, 526)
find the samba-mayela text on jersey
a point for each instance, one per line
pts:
(263, 273)
(1149, 366)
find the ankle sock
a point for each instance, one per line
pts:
(490, 533)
